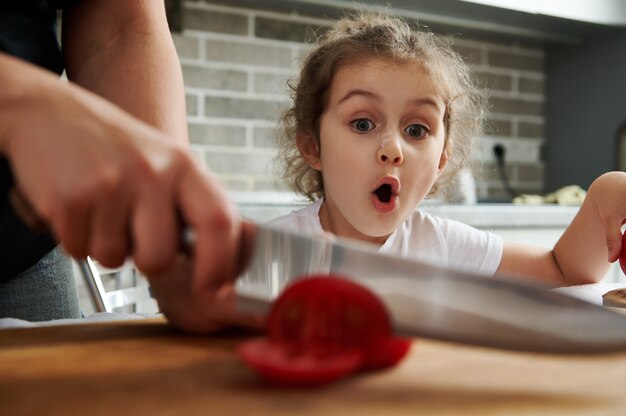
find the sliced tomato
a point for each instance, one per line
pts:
(323, 310)
(390, 352)
(322, 328)
(329, 311)
(284, 364)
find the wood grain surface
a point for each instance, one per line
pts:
(147, 368)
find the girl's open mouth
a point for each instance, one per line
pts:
(385, 194)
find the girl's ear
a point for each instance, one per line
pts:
(309, 149)
(443, 160)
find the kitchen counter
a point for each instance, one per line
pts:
(144, 367)
(506, 215)
(262, 206)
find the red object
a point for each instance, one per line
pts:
(323, 328)
(622, 257)
(288, 365)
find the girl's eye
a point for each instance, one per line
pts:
(416, 131)
(362, 125)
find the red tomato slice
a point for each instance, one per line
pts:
(284, 364)
(322, 328)
(390, 352)
(331, 310)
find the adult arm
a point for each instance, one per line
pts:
(109, 185)
(587, 247)
(122, 50)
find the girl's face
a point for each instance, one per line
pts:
(382, 140)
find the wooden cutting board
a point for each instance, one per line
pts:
(147, 368)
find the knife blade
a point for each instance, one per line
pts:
(425, 300)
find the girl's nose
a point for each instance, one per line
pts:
(390, 152)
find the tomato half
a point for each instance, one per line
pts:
(389, 353)
(288, 365)
(322, 328)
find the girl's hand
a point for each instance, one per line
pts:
(608, 193)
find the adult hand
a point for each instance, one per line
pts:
(109, 185)
(201, 309)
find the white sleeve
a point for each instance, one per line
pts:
(471, 249)
(304, 220)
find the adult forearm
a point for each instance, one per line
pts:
(25, 88)
(123, 51)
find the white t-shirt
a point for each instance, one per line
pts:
(422, 236)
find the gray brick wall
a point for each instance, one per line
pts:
(236, 61)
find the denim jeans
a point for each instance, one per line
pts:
(44, 292)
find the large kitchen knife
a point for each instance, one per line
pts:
(433, 302)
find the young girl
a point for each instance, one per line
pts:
(383, 116)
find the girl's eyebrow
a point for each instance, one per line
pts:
(428, 101)
(425, 101)
(352, 93)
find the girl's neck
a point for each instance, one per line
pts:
(333, 222)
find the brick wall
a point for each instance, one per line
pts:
(236, 60)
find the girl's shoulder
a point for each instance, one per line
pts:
(451, 231)
(305, 219)
(423, 218)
